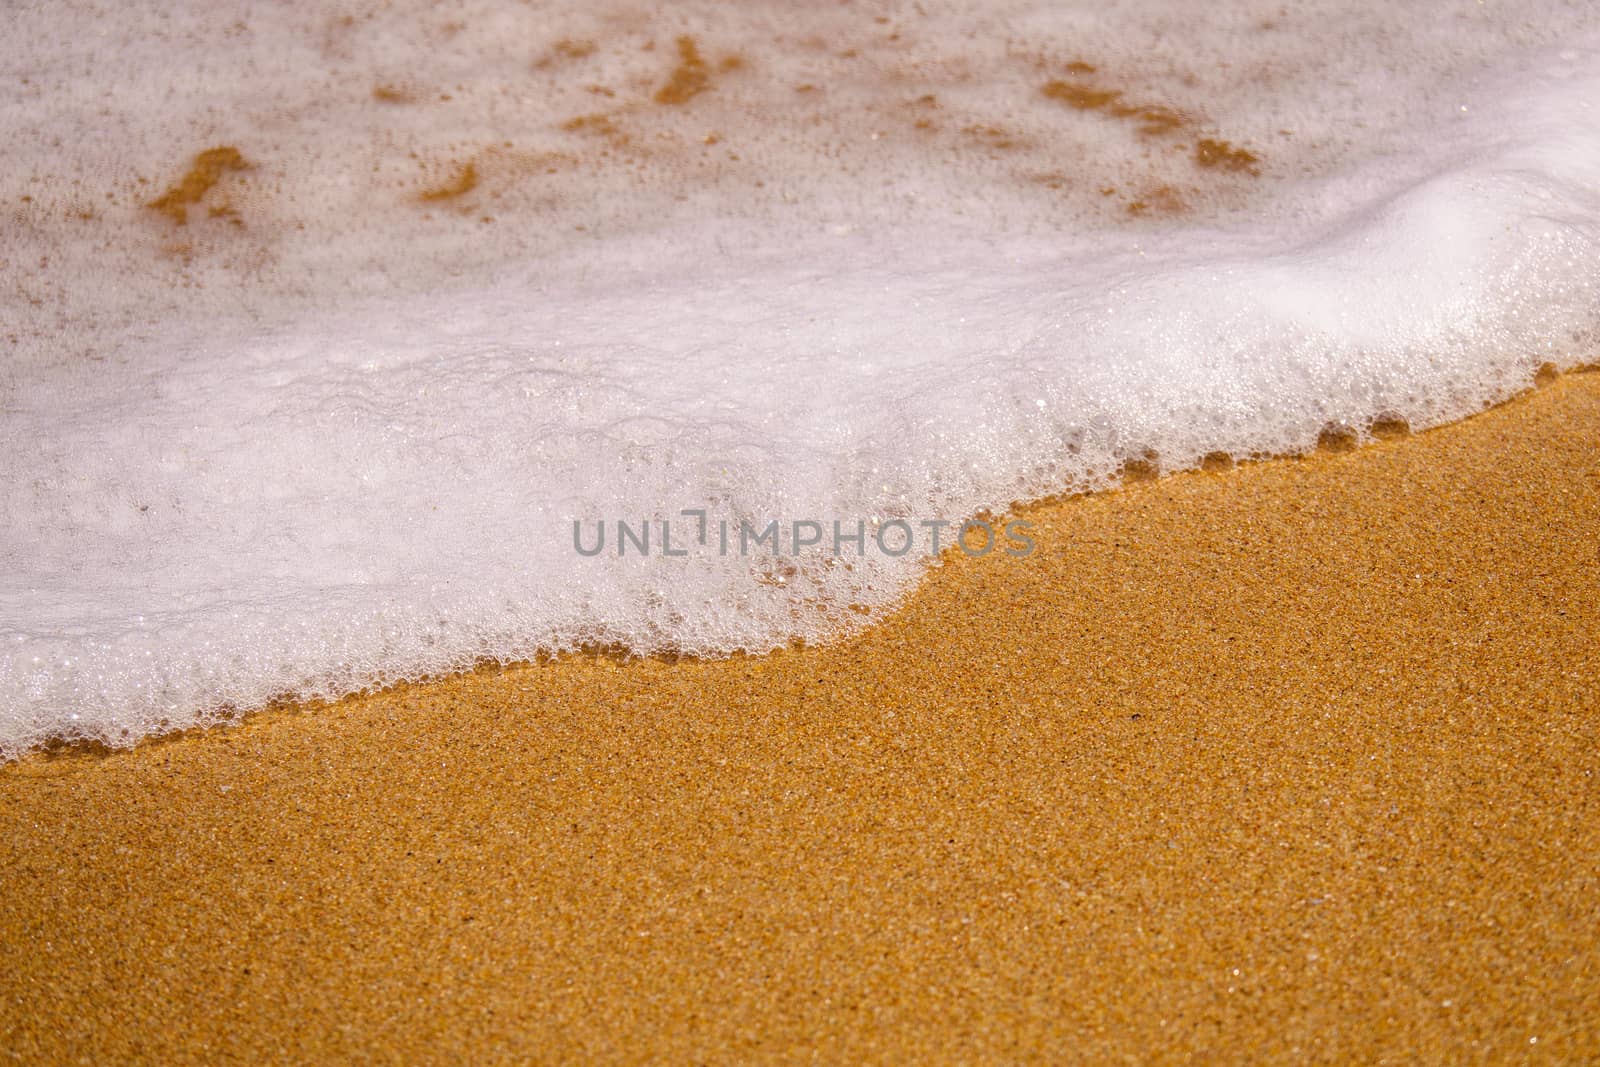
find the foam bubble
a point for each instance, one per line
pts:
(448, 280)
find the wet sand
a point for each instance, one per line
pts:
(1291, 762)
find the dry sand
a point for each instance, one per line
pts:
(1297, 761)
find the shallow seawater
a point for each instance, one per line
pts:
(335, 338)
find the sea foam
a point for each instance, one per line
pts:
(322, 334)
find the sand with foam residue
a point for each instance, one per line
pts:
(1295, 762)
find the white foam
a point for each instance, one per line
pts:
(337, 435)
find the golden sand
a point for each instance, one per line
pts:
(1293, 762)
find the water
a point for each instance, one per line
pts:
(322, 330)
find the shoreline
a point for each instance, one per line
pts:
(1137, 472)
(1296, 759)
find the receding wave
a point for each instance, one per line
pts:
(327, 344)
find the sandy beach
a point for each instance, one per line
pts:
(1298, 761)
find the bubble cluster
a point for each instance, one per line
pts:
(324, 340)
